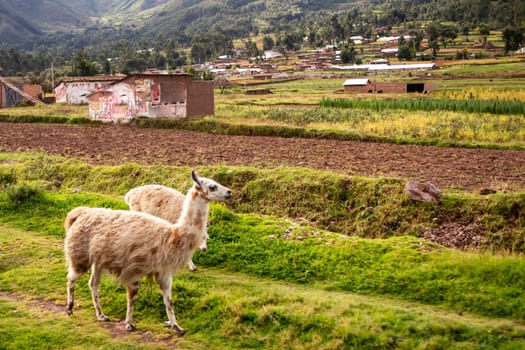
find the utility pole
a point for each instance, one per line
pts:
(52, 78)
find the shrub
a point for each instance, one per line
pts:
(18, 194)
(7, 177)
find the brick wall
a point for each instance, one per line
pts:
(200, 99)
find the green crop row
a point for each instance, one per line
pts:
(493, 106)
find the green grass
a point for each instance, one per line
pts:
(401, 265)
(493, 106)
(272, 277)
(372, 208)
(245, 295)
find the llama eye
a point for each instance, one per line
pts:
(213, 188)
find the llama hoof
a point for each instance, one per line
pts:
(130, 327)
(179, 331)
(176, 328)
(69, 312)
(103, 318)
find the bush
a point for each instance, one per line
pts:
(7, 177)
(18, 194)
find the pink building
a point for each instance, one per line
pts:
(154, 96)
(74, 90)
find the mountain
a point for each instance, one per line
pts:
(13, 26)
(40, 21)
(69, 24)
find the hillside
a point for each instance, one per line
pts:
(61, 27)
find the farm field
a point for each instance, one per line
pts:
(319, 248)
(447, 167)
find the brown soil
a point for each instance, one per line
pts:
(474, 170)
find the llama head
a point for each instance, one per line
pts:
(210, 189)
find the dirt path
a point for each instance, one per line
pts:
(468, 169)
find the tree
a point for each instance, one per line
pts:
(433, 33)
(251, 49)
(107, 67)
(268, 43)
(348, 55)
(207, 46)
(448, 32)
(406, 51)
(222, 83)
(81, 65)
(291, 41)
(334, 29)
(513, 38)
(484, 30)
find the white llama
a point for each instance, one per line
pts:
(161, 201)
(131, 245)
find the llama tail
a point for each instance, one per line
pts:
(128, 197)
(72, 216)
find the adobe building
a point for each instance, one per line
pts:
(11, 95)
(75, 90)
(154, 96)
(366, 86)
(34, 90)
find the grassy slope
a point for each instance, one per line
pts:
(265, 282)
(349, 205)
(222, 310)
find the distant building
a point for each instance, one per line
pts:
(391, 52)
(11, 95)
(270, 54)
(154, 96)
(385, 67)
(34, 90)
(358, 85)
(75, 90)
(365, 86)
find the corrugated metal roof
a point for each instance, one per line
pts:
(356, 82)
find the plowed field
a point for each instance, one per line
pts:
(472, 170)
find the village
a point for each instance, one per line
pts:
(174, 93)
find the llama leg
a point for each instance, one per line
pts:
(165, 286)
(191, 265)
(72, 277)
(94, 281)
(132, 290)
(203, 247)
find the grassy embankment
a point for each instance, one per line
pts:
(267, 281)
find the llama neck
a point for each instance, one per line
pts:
(194, 216)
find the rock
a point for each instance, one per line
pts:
(485, 191)
(423, 192)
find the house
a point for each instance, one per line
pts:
(358, 85)
(10, 95)
(74, 90)
(365, 86)
(262, 76)
(390, 52)
(34, 90)
(380, 67)
(154, 96)
(271, 54)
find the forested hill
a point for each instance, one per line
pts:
(71, 24)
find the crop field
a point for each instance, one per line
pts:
(320, 247)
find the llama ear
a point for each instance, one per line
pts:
(195, 178)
